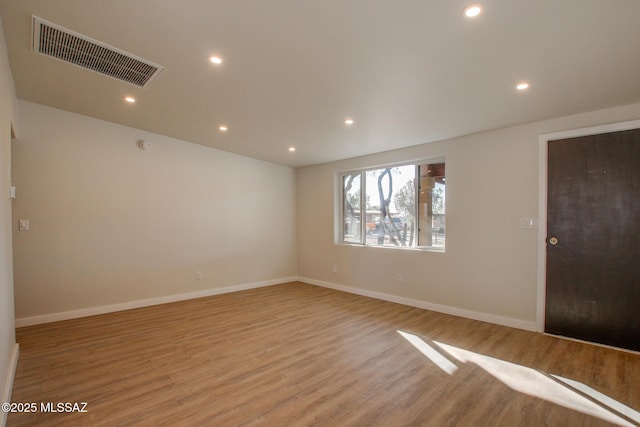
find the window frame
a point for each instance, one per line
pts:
(340, 202)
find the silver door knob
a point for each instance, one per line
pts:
(553, 240)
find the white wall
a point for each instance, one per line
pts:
(112, 224)
(490, 264)
(8, 348)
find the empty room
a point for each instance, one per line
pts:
(319, 213)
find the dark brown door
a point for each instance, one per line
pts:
(593, 238)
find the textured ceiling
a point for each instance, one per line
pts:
(408, 72)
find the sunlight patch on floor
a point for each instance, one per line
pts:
(432, 354)
(602, 398)
(552, 388)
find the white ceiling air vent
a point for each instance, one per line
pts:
(58, 42)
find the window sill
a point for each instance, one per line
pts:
(401, 248)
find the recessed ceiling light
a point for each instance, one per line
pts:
(223, 128)
(292, 149)
(522, 86)
(130, 99)
(215, 59)
(472, 10)
(348, 122)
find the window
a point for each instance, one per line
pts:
(352, 198)
(385, 207)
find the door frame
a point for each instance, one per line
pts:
(542, 200)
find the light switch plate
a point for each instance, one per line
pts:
(23, 225)
(528, 223)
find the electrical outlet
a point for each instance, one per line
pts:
(399, 279)
(199, 275)
(23, 225)
(335, 268)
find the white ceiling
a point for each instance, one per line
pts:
(407, 71)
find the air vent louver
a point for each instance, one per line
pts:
(58, 42)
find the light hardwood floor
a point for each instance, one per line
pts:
(301, 355)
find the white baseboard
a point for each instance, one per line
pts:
(469, 314)
(8, 385)
(476, 315)
(92, 311)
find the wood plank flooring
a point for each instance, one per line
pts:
(301, 355)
